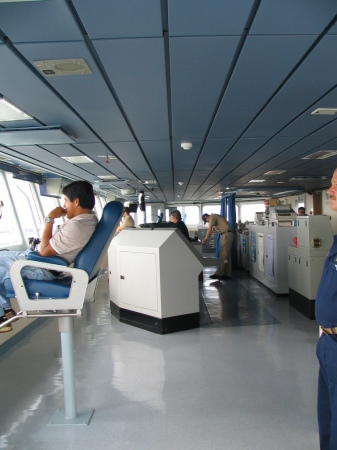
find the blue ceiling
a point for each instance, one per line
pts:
(238, 79)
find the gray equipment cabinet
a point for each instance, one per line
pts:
(306, 261)
(268, 255)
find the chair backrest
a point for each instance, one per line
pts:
(91, 256)
(160, 218)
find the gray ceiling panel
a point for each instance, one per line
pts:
(39, 22)
(204, 18)
(104, 19)
(198, 71)
(293, 16)
(129, 153)
(263, 65)
(136, 68)
(213, 151)
(158, 153)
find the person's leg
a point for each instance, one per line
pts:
(225, 254)
(331, 360)
(6, 260)
(323, 397)
(327, 391)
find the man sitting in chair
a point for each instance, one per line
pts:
(66, 241)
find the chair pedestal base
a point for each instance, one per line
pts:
(58, 418)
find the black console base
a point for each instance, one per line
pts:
(302, 304)
(154, 324)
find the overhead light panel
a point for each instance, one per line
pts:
(148, 181)
(325, 112)
(256, 181)
(274, 172)
(78, 159)
(186, 145)
(35, 136)
(10, 112)
(322, 154)
(57, 67)
(107, 177)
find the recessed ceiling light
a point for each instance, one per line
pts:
(10, 112)
(325, 112)
(186, 145)
(274, 172)
(322, 154)
(148, 181)
(256, 181)
(59, 67)
(280, 182)
(107, 177)
(181, 183)
(77, 159)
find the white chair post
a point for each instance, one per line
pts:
(69, 416)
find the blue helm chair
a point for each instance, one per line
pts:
(61, 296)
(64, 292)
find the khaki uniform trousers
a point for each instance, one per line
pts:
(225, 253)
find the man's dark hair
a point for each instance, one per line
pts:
(82, 190)
(176, 214)
(127, 210)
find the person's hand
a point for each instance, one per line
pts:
(203, 242)
(57, 212)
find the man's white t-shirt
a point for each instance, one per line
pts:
(69, 239)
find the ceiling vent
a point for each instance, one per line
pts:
(59, 67)
(322, 154)
(325, 112)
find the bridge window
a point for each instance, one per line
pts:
(9, 230)
(26, 206)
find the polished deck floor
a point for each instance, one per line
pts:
(246, 379)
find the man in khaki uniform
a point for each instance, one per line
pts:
(221, 225)
(128, 221)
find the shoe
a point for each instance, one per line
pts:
(9, 313)
(215, 277)
(5, 328)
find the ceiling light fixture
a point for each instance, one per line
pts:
(274, 172)
(77, 159)
(148, 181)
(107, 177)
(181, 183)
(186, 145)
(256, 181)
(10, 112)
(322, 154)
(325, 112)
(35, 136)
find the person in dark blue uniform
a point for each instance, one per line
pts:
(175, 219)
(326, 316)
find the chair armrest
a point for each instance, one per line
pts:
(76, 294)
(35, 256)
